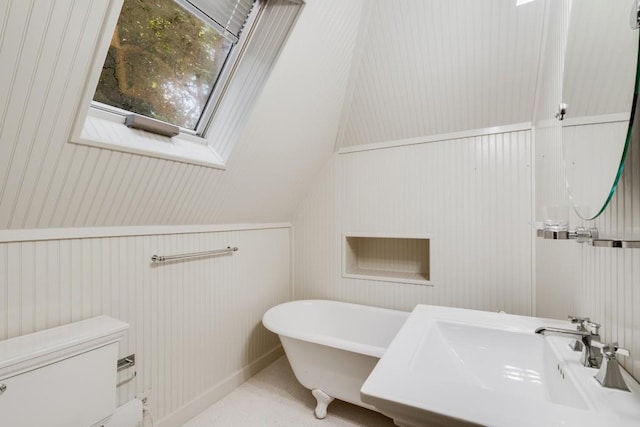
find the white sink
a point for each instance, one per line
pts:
(452, 366)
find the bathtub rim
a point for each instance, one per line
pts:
(269, 322)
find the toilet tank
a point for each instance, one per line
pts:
(61, 377)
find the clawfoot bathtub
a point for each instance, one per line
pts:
(333, 346)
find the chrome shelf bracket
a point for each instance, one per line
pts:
(589, 236)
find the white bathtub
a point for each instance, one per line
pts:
(333, 346)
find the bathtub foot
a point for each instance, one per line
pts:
(323, 401)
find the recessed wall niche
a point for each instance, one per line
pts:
(389, 258)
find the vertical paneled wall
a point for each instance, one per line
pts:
(193, 323)
(601, 283)
(471, 196)
(429, 67)
(609, 278)
(47, 49)
(555, 261)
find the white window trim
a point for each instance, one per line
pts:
(102, 129)
(95, 127)
(98, 124)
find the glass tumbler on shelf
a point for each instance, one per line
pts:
(556, 218)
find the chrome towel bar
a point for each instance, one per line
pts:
(161, 258)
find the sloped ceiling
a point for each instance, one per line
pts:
(413, 68)
(427, 67)
(46, 49)
(602, 74)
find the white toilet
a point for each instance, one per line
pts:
(61, 377)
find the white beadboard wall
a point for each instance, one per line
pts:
(430, 67)
(601, 283)
(555, 261)
(609, 279)
(599, 84)
(46, 52)
(195, 325)
(471, 196)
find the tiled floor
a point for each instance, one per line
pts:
(274, 397)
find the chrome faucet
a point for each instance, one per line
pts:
(591, 356)
(580, 323)
(595, 354)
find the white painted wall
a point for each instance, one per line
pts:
(195, 325)
(609, 279)
(430, 67)
(68, 250)
(46, 51)
(600, 283)
(293, 128)
(471, 195)
(555, 261)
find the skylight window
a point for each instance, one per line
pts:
(189, 71)
(167, 60)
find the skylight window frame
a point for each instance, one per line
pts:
(229, 66)
(223, 78)
(106, 130)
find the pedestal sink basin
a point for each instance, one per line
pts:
(452, 367)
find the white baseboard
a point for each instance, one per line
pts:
(217, 392)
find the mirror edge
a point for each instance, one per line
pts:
(628, 141)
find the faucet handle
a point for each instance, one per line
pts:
(623, 352)
(609, 375)
(609, 350)
(585, 324)
(579, 320)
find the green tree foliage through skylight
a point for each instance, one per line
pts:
(162, 62)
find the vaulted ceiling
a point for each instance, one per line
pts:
(353, 72)
(427, 67)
